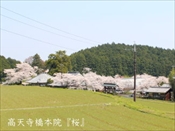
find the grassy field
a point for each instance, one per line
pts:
(65, 109)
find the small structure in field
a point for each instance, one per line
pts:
(40, 79)
(163, 93)
(110, 88)
(25, 83)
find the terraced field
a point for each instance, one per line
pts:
(42, 108)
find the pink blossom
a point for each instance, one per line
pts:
(22, 72)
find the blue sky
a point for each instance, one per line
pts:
(147, 22)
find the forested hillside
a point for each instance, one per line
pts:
(112, 59)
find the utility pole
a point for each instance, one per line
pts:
(134, 72)
(134, 50)
(173, 88)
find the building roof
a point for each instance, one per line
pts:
(109, 84)
(157, 89)
(42, 78)
(166, 85)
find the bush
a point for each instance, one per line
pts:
(49, 81)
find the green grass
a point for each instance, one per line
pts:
(120, 114)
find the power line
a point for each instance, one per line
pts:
(49, 25)
(43, 29)
(35, 39)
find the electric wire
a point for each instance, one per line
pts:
(35, 39)
(44, 29)
(49, 25)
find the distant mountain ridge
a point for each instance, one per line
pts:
(112, 59)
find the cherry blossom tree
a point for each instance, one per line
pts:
(161, 80)
(21, 73)
(88, 79)
(93, 81)
(29, 60)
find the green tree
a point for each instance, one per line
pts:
(49, 81)
(82, 62)
(6, 64)
(37, 61)
(112, 59)
(58, 62)
(12, 62)
(172, 80)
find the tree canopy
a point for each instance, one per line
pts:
(6, 64)
(111, 59)
(37, 61)
(58, 62)
(22, 72)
